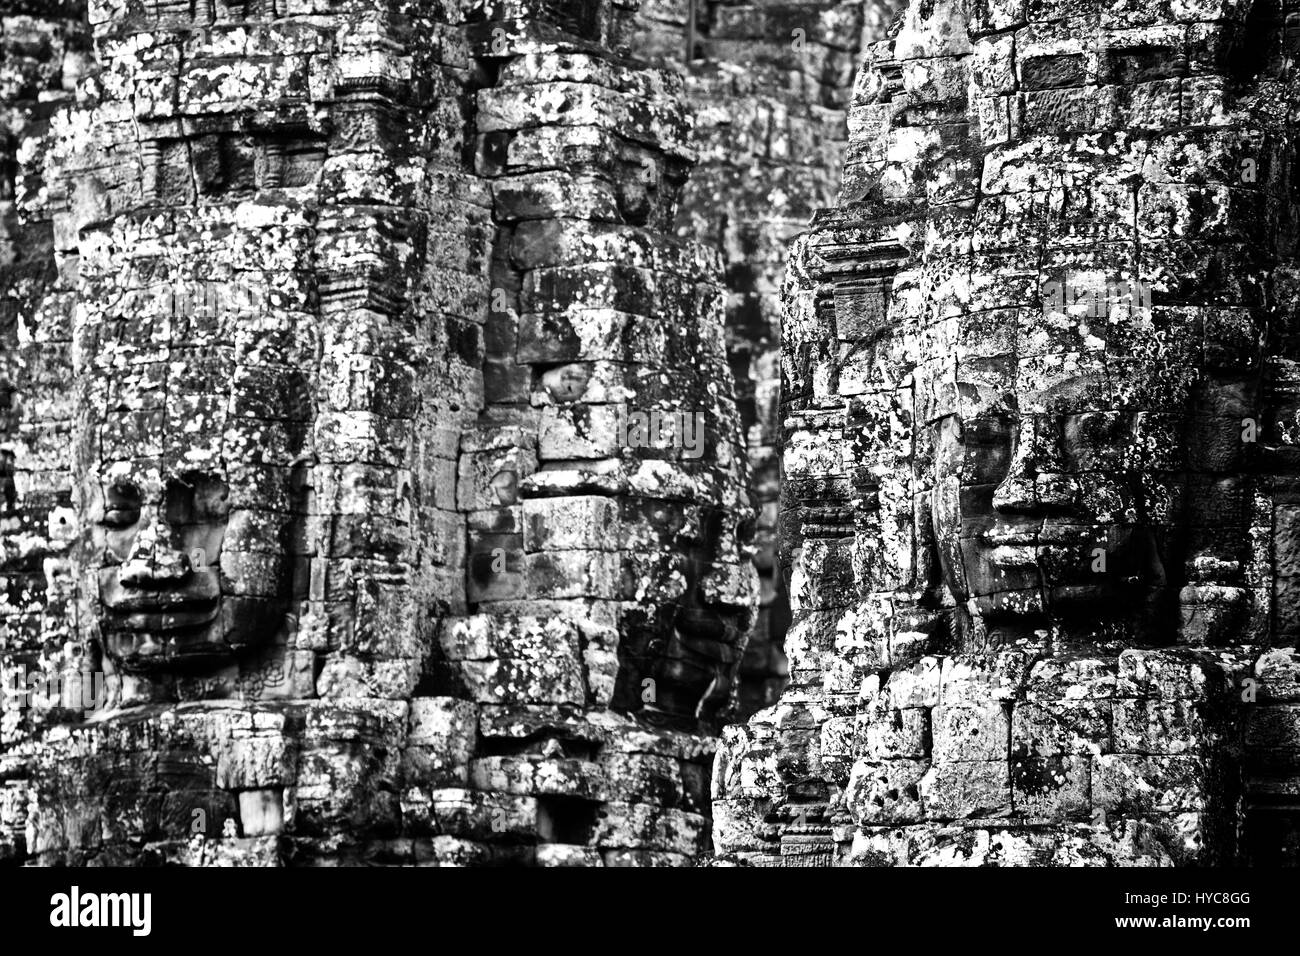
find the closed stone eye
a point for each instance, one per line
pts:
(121, 517)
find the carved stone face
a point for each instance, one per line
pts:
(160, 586)
(682, 640)
(1032, 521)
(171, 599)
(1063, 483)
(694, 673)
(191, 524)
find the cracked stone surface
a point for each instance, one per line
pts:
(648, 432)
(1039, 406)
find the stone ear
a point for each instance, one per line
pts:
(1280, 413)
(1215, 615)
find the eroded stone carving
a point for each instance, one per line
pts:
(1036, 369)
(357, 303)
(191, 495)
(769, 86)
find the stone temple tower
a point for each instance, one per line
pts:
(376, 469)
(649, 432)
(1040, 412)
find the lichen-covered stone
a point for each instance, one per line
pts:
(1038, 388)
(345, 339)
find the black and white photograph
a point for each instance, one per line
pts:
(669, 434)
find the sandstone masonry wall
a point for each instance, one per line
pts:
(364, 309)
(1036, 394)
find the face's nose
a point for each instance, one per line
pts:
(1036, 483)
(729, 588)
(1015, 493)
(155, 559)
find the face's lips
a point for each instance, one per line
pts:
(1071, 533)
(151, 615)
(161, 602)
(1010, 546)
(1045, 532)
(1018, 554)
(1000, 535)
(1013, 555)
(711, 627)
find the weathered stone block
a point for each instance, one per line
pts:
(968, 789)
(1055, 787)
(1162, 727)
(1137, 785)
(881, 794)
(970, 733)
